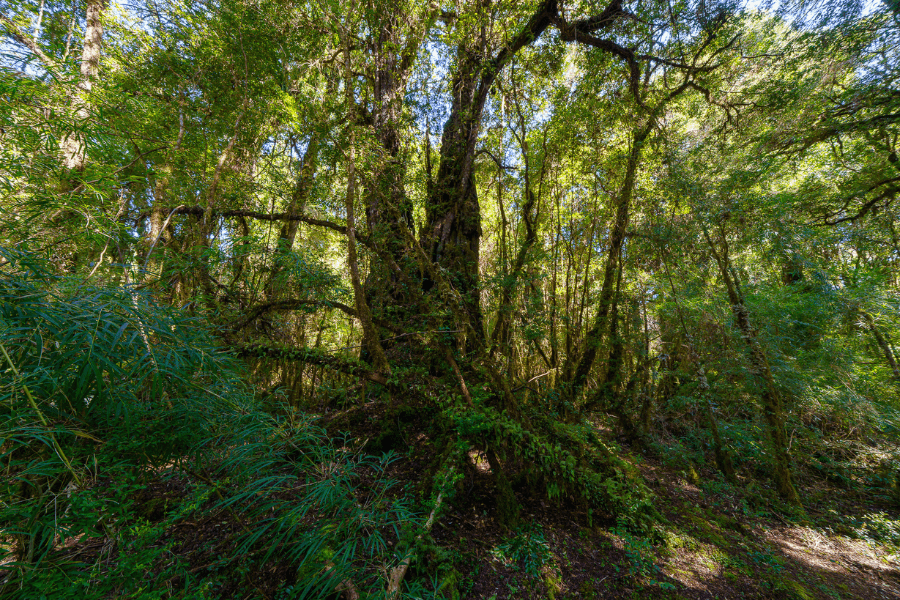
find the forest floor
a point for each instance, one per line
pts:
(720, 541)
(717, 541)
(712, 549)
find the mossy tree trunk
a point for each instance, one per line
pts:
(883, 345)
(388, 208)
(772, 404)
(452, 233)
(724, 461)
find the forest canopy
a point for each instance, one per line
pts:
(318, 270)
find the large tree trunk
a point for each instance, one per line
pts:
(392, 283)
(452, 232)
(387, 205)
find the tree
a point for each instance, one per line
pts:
(629, 206)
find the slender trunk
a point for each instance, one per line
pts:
(773, 411)
(568, 311)
(155, 235)
(883, 344)
(617, 237)
(297, 205)
(647, 404)
(586, 281)
(510, 282)
(607, 301)
(161, 204)
(554, 342)
(72, 147)
(500, 334)
(373, 342)
(610, 395)
(504, 224)
(723, 456)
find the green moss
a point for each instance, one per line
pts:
(675, 539)
(796, 590)
(791, 589)
(709, 531)
(691, 475)
(449, 586)
(732, 524)
(552, 582)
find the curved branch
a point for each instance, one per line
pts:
(260, 216)
(539, 21)
(310, 356)
(294, 303)
(889, 195)
(288, 305)
(570, 34)
(605, 19)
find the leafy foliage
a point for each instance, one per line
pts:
(645, 227)
(102, 385)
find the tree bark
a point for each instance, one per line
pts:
(72, 147)
(773, 410)
(608, 291)
(370, 333)
(452, 231)
(723, 456)
(883, 344)
(387, 204)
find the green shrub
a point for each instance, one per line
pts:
(102, 394)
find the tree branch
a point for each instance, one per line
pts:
(889, 194)
(604, 20)
(294, 303)
(539, 21)
(20, 36)
(310, 356)
(260, 216)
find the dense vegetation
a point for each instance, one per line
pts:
(291, 292)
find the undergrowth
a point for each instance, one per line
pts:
(137, 464)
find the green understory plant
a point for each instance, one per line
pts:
(106, 398)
